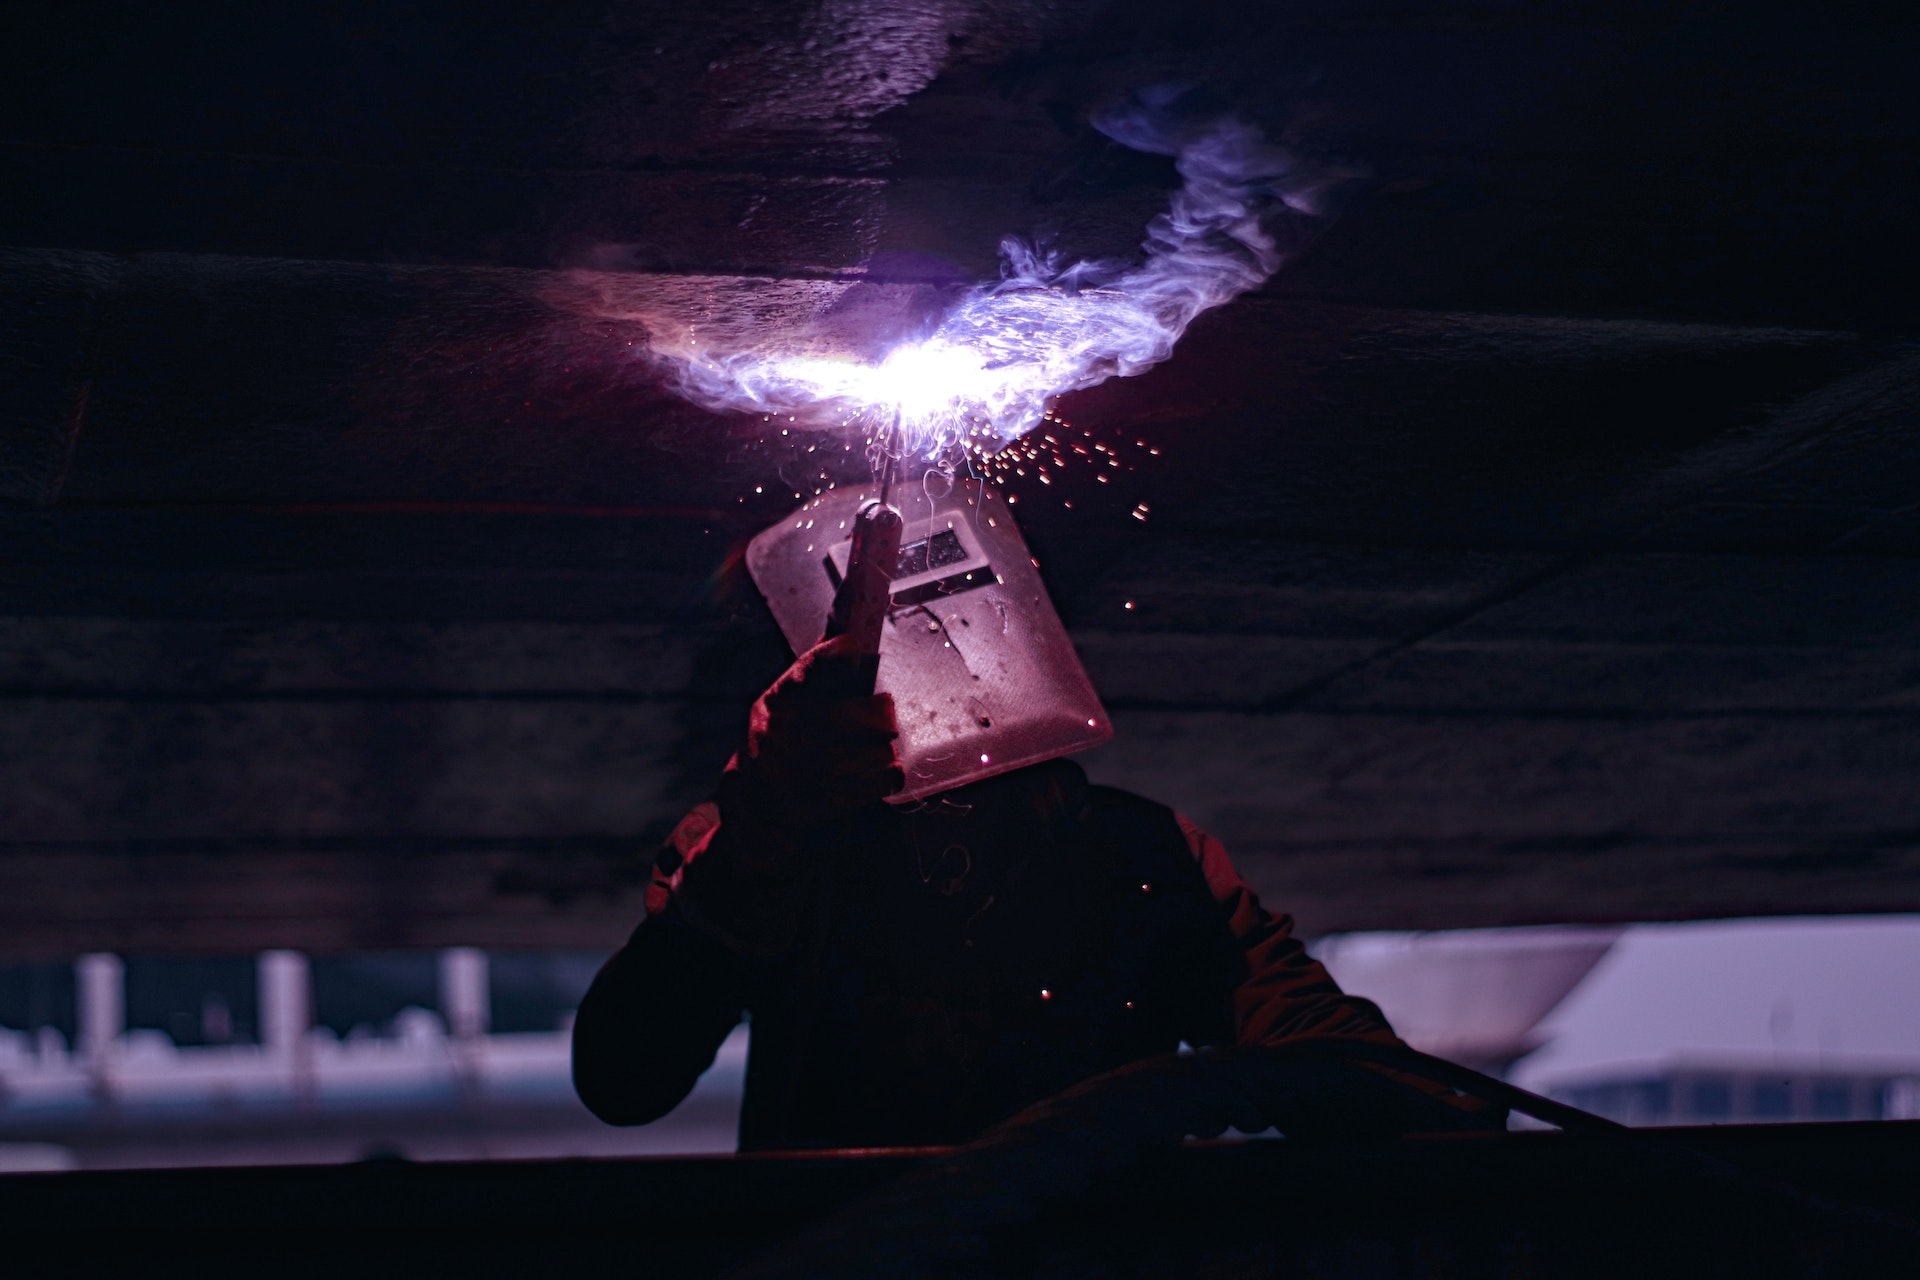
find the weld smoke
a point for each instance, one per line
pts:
(986, 374)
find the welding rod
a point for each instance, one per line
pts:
(889, 453)
(860, 605)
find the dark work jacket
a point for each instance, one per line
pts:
(953, 963)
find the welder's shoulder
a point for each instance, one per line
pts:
(1110, 806)
(1146, 829)
(1148, 824)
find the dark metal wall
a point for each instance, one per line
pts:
(1525, 1205)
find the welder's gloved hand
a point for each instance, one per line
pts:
(819, 747)
(819, 743)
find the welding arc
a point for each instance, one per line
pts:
(889, 455)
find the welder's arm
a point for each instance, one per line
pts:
(653, 1019)
(732, 882)
(819, 748)
(1285, 993)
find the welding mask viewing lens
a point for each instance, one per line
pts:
(982, 675)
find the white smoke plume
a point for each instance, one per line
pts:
(987, 372)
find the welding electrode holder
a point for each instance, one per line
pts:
(860, 605)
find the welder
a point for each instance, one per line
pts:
(916, 973)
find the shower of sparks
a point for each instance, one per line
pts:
(1054, 452)
(1056, 448)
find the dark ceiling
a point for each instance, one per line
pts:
(1538, 545)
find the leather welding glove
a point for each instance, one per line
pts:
(819, 748)
(819, 743)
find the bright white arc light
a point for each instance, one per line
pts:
(931, 380)
(937, 387)
(985, 376)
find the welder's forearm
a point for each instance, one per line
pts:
(1288, 994)
(1283, 993)
(1346, 1019)
(748, 883)
(652, 1021)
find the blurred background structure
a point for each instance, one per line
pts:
(284, 1059)
(462, 1054)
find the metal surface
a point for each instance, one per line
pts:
(1517, 1205)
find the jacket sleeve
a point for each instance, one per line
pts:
(1284, 993)
(657, 1012)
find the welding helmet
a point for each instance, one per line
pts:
(983, 677)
